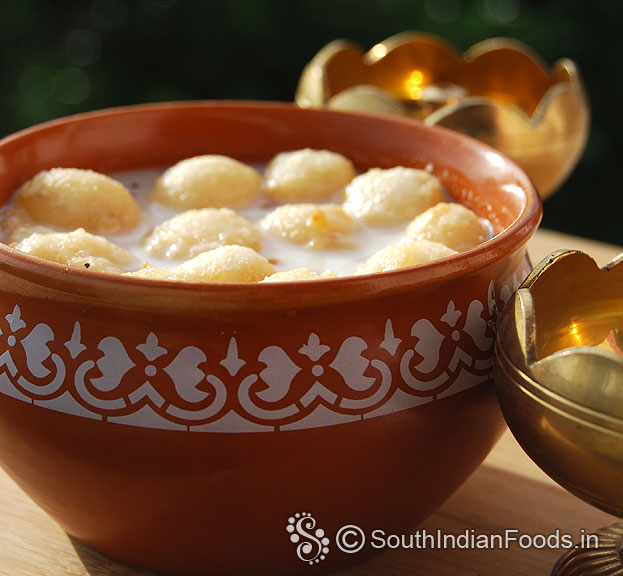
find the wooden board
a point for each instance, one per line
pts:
(507, 492)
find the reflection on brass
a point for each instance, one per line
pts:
(602, 558)
(499, 91)
(559, 378)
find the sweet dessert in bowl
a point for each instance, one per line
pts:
(180, 426)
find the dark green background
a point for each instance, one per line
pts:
(59, 58)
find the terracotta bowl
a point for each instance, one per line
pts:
(233, 429)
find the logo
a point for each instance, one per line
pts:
(312, 545)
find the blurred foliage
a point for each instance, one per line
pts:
(62, 58)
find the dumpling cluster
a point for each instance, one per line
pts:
(226, 211)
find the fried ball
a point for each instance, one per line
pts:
(196, 231)
(318, 225)
(72, 198)
(78, 249)
(393, 196)
(209, 181)
(299, 274)
(451, 224)
(307, 175)
(225, 264)
(407, 252)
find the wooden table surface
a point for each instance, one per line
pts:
(507, 492)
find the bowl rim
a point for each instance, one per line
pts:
(505, 243)
(565, 407)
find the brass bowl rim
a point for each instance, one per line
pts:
(571, 78)
(551, 400)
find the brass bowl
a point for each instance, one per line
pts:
(499, 91)
(559, 374)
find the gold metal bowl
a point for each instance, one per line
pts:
(559, 379)
(559, 374)
(499, 91)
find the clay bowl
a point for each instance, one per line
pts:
(182, 428)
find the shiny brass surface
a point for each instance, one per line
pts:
(499, 91)
(559, 374)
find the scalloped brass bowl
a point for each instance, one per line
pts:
(499, 91)
(559, 374)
